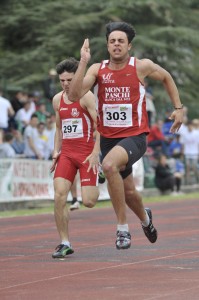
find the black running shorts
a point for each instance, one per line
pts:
(135, 146)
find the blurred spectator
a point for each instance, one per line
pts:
(24, 114)
(35, 98)
(6, 150)
(6, 111)
(19, 99)
(164, 178)
(42, 141)
(185, 112)
(1, 135)
(150, 107)
(179, 173)
(156, 139)
(195, 123)
(18, 142)
(41, 112)
(166, 126)
(50, 133)
(175, 146)
(49, 85)
(30, 139)
(190, 141)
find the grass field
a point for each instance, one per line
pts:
(100, 204)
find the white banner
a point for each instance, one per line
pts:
(26, 179)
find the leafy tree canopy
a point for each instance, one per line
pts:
(35, 36)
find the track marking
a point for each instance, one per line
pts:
(99, 269)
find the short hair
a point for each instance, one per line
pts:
(69, 65)
(8, 137)
(120, 26)
(34, 115)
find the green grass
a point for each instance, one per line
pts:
(100, 204)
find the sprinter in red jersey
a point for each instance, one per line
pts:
(122, 119)
(74, 149)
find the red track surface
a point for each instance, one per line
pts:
(168, 269)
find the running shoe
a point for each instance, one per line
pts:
(150, 231)
(61, 251)
(123, 240)
(101, 178)
(75, 205)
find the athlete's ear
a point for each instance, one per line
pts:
(129, 47)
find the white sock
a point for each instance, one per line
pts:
(147, 221)
(124, 227)
(66, 243)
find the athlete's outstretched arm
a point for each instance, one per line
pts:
(146, 68)
(58, 135)
(81, 84)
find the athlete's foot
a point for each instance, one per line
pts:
(150, 231)
(123, 240)
(75, 205)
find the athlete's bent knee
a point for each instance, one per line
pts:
(89, 203)
(108, 168)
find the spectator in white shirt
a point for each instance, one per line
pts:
(50, 132)
(190, 141)
(42, 141)
(30, 139)
(6, 112)
(23, 115)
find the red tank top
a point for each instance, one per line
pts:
(121, 101)
(76, 126)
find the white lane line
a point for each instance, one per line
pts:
(99, 269)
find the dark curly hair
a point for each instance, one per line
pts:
(121, 26)
(69, 65)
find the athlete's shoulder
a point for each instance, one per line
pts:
(58, 96)
(94, 68)
(145, 67)
(57, 99)
(144, 63)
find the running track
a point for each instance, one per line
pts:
(166, 270)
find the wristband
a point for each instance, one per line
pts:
(179, 107)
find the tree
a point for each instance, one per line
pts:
(35, 36)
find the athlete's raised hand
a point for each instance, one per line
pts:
(85, 51)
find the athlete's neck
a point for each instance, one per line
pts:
(118, 64)
(66, 100)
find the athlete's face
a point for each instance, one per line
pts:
(118, 45)
(65, 80)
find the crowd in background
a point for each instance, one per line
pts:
(27, 122)
(27, 128)
(174, 157)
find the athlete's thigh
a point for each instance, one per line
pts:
(65, 168)
(135, 147)
(87, 178)
(117, 156)
(62, 186)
